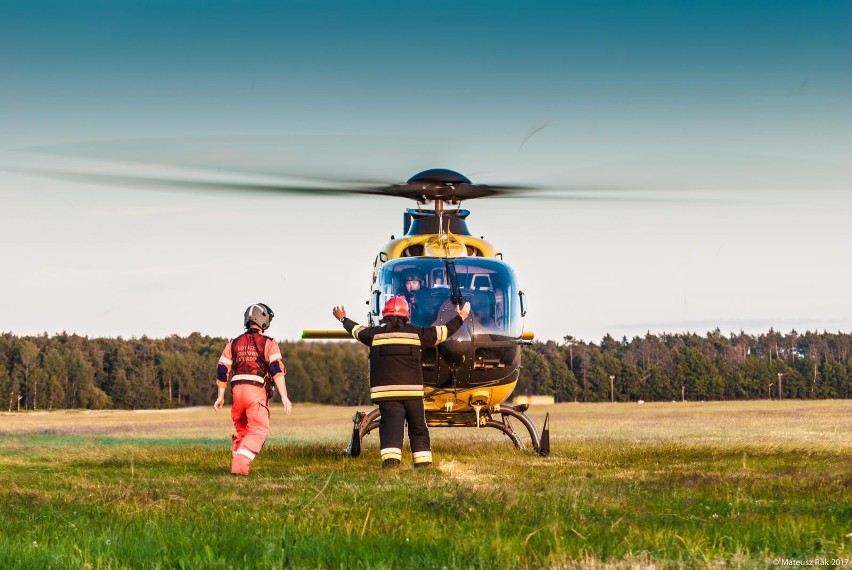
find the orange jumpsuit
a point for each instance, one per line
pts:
(248, 362)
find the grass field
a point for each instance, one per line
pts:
(733, 485)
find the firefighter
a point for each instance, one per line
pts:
(252, 363)
(396, 375)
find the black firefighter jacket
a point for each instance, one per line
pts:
(395, 349)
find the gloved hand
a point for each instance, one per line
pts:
(339, 313)
(464, 311)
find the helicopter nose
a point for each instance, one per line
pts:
(455, 350)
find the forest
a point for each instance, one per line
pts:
(69, 371)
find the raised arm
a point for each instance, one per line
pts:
(358, 332)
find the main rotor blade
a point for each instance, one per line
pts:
(163, 183)
(319, 165)
(363, 160)
(634, 196)
(415, 192)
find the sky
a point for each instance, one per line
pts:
(692, 158)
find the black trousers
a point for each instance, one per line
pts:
(392, 426)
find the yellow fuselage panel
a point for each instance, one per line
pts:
(432, 246)
(443, 401)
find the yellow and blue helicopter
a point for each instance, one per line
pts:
(469, 378)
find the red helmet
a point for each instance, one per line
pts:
(396, 307)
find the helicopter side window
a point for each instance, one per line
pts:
(481, 282)
(439, 279)
(482, 298)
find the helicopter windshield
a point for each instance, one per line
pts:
(488, 284)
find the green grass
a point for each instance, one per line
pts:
(658, 485)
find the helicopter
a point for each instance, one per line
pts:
(469, 378)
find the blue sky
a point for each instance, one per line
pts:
(746, 105)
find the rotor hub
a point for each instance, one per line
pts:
(440, 185)
(439, 176)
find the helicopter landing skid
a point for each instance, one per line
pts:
(364, 423)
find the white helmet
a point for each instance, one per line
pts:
(258, 314)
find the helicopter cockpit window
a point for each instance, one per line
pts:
(480, 282)
(488, 284)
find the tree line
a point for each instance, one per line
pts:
(71, 371)
(691, 367)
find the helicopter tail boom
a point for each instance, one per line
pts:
(324, 334)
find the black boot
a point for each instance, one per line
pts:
(420, 465)
(390, 463)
